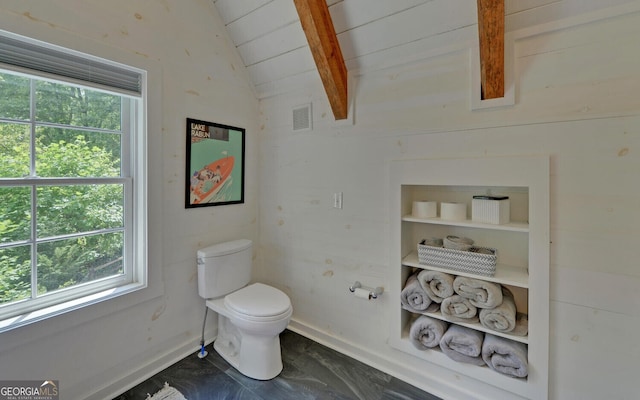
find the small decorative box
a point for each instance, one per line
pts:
(490, 209)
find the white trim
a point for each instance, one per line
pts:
(151, 367)
(510, 54)
(444, 388)
(152, 126)
(67, 306)
(133, 179)
(475, 95)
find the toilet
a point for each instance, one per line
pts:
(250, 317)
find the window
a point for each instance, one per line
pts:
(72, 184)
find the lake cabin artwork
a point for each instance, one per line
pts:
(215, 164)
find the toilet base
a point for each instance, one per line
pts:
(256, 356)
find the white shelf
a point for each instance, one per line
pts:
(524, 248)
(485, 374)
(524, 244)
(512, 226)
(477, 326)
(505, 274)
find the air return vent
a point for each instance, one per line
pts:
(302, 118)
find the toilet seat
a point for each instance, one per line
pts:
(259, 302)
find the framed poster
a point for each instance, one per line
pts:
(215, 164)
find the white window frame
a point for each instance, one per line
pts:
(133, 177)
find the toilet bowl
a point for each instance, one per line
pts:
(250, 317)
(250, 321)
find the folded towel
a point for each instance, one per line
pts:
(438, 285)
(426, 332)
(522, 325)
(505, 356)
(458, 309)
(481, 294)
(413, 297)
(463, 344)
(504, 318)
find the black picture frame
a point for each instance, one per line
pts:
(214, 164)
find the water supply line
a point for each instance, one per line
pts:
(203, 353)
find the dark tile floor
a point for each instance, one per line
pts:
(311, 372)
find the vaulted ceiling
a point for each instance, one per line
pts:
(372, 34)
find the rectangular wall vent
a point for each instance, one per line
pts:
(302, 120)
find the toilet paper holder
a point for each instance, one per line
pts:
(373, 292)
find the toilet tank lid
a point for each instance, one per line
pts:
(222, 249)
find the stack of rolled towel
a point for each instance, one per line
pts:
(463, 299)
(469, 346)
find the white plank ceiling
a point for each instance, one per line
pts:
(372, 33)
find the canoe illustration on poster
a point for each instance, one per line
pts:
(215, 164)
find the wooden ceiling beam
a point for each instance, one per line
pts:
(321, 36)
(491, 35)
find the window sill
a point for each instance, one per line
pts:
(62, 308)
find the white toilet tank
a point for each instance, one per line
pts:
(224, 268)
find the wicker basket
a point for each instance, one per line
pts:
(461, 261)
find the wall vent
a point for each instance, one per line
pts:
(302, 120)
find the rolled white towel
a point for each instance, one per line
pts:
(458, 309)
(463, 344)
(505, 318)
(438, 285)
(505, 356)
(522, 325)
(481, 294)
(413, 297)
(426, 332)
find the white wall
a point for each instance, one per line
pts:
(99, 351)
(577, 100)
(577, 86)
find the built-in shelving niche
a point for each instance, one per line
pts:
(523, 249)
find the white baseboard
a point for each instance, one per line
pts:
(431, 378)
(400, 369)
(396, 368)
(149, 368)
